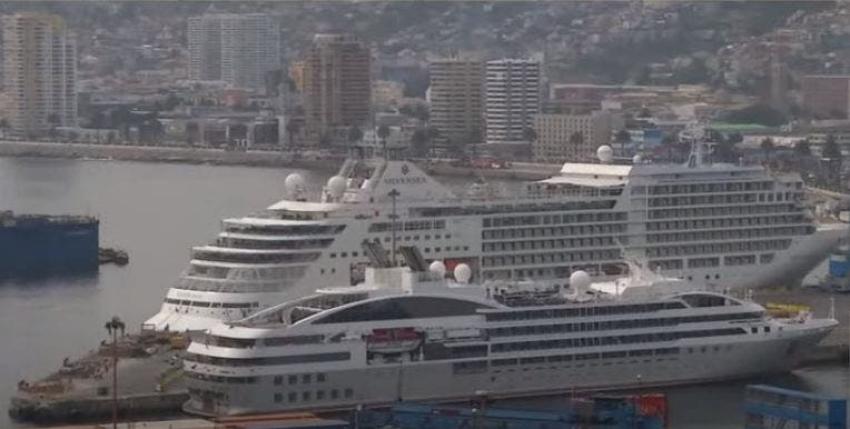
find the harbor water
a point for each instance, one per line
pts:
(157, 212)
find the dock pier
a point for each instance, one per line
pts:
(150, 383)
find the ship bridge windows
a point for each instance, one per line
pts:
(268, 361)
(707, 300)
(274, 244)
(272, 229)
(256, 258)
(405, 307)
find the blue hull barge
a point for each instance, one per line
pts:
(34, 246)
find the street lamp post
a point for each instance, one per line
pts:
(112, 327)
(394, 194)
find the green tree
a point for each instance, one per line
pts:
(419, 143)
(292, 129)
(529, 134)
(576, 139)
(354, 135)
(622, 137)
(325, 140)
(383, 132)
(767, 147)
(802, 148)
(830, 148)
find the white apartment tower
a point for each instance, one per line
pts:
(235, 48)
(456, 94)
(39, 73)
(512, 88)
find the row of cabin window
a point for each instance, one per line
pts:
(696, 200)
(735, 234)
(611, 340)
(722, 211)
(722, 222)
(549, 232)
(272, 360)
(615, 324)
(514, 208)
(587, 311)
(586, 356)
(596, 241)
(705, 187)
(207, 304)
(734, 247)
(307, 396)
(544, 258)
(292, 379)
(553, 219)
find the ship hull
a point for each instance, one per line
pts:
(696, 362)
(38, 247)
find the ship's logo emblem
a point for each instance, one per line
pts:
(405, 169)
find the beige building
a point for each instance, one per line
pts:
(456, 96)
(337, 87)
(39, 73)
(570, 138)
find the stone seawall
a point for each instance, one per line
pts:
(161, 154)
(184, 155)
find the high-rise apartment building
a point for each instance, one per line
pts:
(236, 48)
(337, 87)
(512, 89)
(570, 138)
(39, 73)
(457, 99)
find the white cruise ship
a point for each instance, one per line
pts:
(719, 224)
(410, 334)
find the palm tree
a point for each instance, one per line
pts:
(113, 326)
(767, 146)
(292, 128)
(354, 136)
(383, 132)
(802, 148)
(432, 133)
(622, 137)
(832, 153)
(576, 139)
(419, 142)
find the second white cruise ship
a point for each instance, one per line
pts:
(410, 334)
(723, 225)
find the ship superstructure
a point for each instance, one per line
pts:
(409, 333)
(723, 225)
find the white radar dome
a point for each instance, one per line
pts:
(438, 268)
(637, 159)
(580, 281)
(463, 273)
(293, 184)
(605, 153)
(336, 186)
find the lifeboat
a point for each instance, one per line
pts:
(397, 340)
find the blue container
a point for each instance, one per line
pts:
(33, 246)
